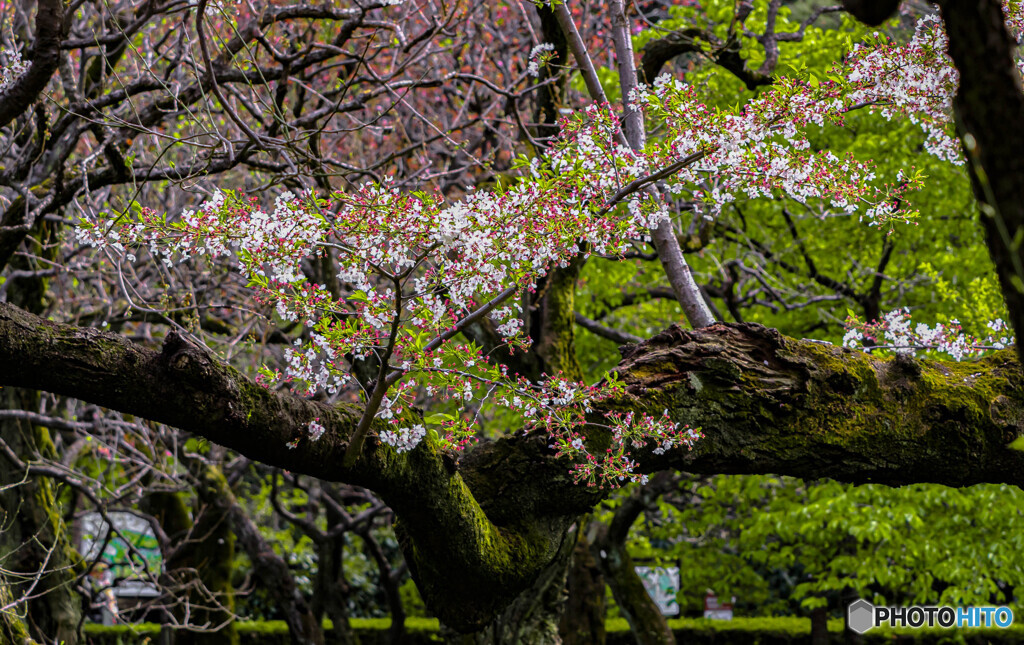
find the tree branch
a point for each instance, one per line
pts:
(604, 331)
(479, 531)
(15, 100)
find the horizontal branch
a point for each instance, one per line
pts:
(460, 557)
(771, 404)
(477, 531)
(604, 331)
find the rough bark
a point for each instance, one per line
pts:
(583, 620)
(608, 545)
(989, 107)
(535, 614)
(479, 531)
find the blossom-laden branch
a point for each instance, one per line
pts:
(417, 266)
(896, 331)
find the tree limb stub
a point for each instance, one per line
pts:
(477, 532)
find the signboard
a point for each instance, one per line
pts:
(117, 564)
(716, 610)
(662, 583)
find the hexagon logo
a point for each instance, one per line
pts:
(860, 616)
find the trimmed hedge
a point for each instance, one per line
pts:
(371, 631)
(693, 631)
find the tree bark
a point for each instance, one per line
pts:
(989, 107)
(535, 614)
(479, 531)
(45, 54)
(585, 611)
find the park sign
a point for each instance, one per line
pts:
(128, 556)
(716, 610)
(662, 583)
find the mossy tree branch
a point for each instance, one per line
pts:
(478, 531)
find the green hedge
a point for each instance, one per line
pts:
(371, 631)
(692, 631)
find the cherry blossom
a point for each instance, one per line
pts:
(12, 69)
(917, 79)
(896, 331)
(538, 57)
(415, 267)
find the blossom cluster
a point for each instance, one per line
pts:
(539, 56)
(917, 79)
(629, 432)
(896, 331)
(412, 266)
(763, 150)
(10, 71)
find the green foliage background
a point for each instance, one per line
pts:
(780, 545)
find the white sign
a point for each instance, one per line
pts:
(662, 583)
(125, 556)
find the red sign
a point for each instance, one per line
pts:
(716, 610)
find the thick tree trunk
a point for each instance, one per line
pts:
(989, 108)
(534, 615)
(585, 611)
(32, 529)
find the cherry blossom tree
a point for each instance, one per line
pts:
(410, 309)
